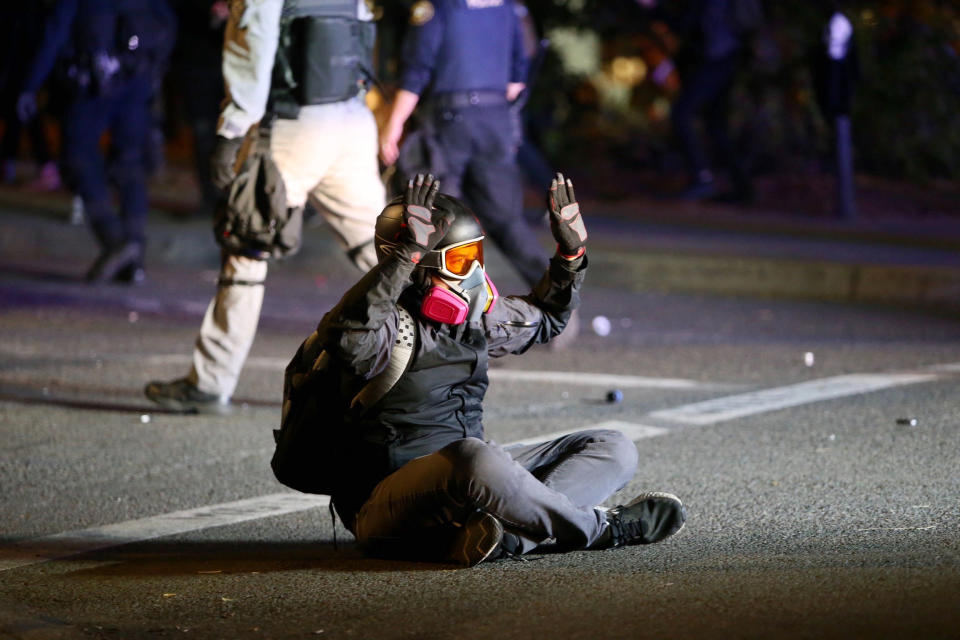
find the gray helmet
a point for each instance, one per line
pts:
(465, 228)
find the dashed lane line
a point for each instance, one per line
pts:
(597, 379)
(70, 543)
(629, 429)
(61, 545)
(747, 404)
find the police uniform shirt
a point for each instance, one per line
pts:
(462, 45)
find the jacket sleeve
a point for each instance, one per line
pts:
(249, 49)
(419, 53)
(359, 331)
(519, 63)
(518, 322)
(56, 32)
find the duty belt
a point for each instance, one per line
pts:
(464, 99)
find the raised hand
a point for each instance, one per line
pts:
(566, 222)
(423, 226)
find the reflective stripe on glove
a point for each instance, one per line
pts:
(423, 226)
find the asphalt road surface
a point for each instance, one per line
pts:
(816, 508)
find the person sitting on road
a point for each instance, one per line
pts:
(419, 479)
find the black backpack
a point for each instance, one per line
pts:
(317, 401)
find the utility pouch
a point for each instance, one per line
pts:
(254, 220)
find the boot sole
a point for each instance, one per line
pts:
(212, 408)
(477, 540)
(663, 495)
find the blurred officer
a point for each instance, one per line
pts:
(21, 25)
(714, 33)
(466, 59)
(836, 74)
(113, 54)
(197, 62)
(304, 65)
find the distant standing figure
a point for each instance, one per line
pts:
(713, 32)
(21, 24)
(113, 52)
(836, 75)
(197, 61)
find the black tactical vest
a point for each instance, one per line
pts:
(325, 54)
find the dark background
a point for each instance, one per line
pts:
(610, 125)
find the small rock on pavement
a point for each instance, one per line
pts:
(601, 325)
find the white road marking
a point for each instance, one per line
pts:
(597, 379)
(61, 545)
(746, 404)
(71, 543)
(952, 367)
(631, 430)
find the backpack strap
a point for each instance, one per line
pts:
(400, 359)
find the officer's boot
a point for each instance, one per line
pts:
(117, 256)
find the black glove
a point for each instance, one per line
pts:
(565, 220)
(423, 228)
(223, 161)
(26, 106)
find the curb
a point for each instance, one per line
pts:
(703, 270)
(911, 285)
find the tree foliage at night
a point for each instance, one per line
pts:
(906, 110)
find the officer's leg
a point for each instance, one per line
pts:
(129, 127)
(83, 124)
(697, 89)
(350, 194)
(231, 320)
(447, 486)
(450, 145)
(229, 326)
(493, 189)
(717, 121)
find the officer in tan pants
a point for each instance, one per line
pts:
(323, 140)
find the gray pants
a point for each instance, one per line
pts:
(544, 493)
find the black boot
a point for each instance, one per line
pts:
(182, 395)
(113, 259)
(132, 274)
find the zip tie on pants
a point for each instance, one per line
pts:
(230, 282)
